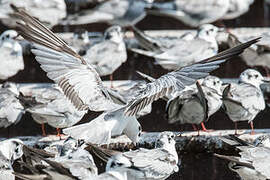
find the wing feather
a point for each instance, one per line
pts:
(78, 80)
(156, 163)
(179, 79)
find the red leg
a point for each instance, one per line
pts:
(252, 128)
(111, 79)
(43, 129)
(204, 129)
(235, 128)
(58, 132)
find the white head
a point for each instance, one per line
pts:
(251, 76)
(11, 87)
(69, 145)
(8, 35)
(115, 34)
(133, 130)
(263, 140)
(208, 32)
(213, 82)
(12, 149)
(165, 139)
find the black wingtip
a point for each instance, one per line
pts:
(13, 7)
(234, 51)
(226, 91)
(240, 141)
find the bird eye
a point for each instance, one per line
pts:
(140, 128)
(120, 164)
(139, 134)
(113, 164)
(256, 76)
(7, 36)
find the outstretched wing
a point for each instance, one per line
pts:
(179, 79)
(78, 80)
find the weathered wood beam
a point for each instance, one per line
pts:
(187, 142)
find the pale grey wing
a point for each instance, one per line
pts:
(78, 80)
(259, 157)
(111, 6)
(194, 12)
(11, 110)
(49, 12)
(258, 48)
(237, 8)
(105, 57)
(177, 80)
(80, 163)
(210, 10)
(264, 44)
(156, 163)
(198, 7)
(134, 13)
(245, 94)
(180, 55)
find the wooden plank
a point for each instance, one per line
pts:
(187, 142)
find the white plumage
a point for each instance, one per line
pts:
(11, 55)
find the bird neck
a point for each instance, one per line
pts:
(212, 40)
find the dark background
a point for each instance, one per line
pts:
(199, 166)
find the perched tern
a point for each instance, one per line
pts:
(175, 54)
(51, 106)
(108, 55)
(197, 106)
(243, 101)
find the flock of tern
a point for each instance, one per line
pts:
(192, 94)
